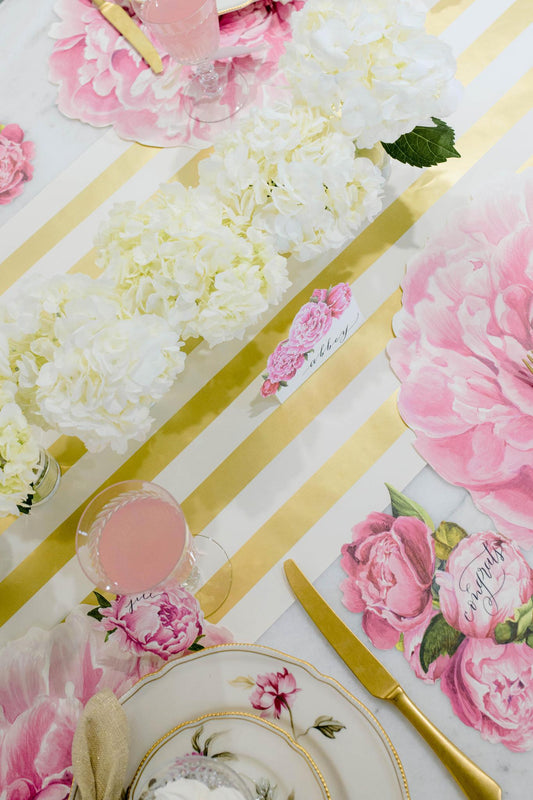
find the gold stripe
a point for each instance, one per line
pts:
(290, 418)
(151, 458)
(309, 504)
(443, 14)
(78, 209)
(526, 165)
(494, 40)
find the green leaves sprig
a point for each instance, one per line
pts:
(424, 146)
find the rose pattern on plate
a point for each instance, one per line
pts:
(309, 326)
(274, 694)
(459, 607)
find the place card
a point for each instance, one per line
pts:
(319, 328)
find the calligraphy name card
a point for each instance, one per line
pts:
(319, 328)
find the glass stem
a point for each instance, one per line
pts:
(207, 75)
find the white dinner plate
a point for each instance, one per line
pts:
(265, 756)
(356, 760)
(223, 6)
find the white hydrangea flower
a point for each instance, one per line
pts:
(372, 61)
(86, 367)
(19, 454)
(178, 258)
(291, 176)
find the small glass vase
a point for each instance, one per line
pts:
(48, 475)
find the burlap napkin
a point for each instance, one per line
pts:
(100, 748)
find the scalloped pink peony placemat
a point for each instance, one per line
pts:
(462, 342)
(102, 80)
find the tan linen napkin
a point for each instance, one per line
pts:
(100, 748)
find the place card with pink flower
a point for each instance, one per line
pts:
(317, 331)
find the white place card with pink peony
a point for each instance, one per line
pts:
(319, 328)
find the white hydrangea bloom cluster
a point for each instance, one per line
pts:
(372, 62)
(178, 258)
(19, 451)
(86, 367)
(293, 178)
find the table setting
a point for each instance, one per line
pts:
(267, 378)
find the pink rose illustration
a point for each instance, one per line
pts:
(310, 324)
(320, 294)
(103, 80)
(490, 687)
(283, 363)
(338, 299)
(269, 387)
(486, 579)
(15, 166)
(462, 334)
(36, 751)
(390, 565)
(411, 649)
(165, 622)
(273, 692)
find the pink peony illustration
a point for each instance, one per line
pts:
(274, 691)
(310, 324)
(164, 623)
(283, 363)
(15, 162)
(462, 335)
(269, 387)
(486, 579)
(411, 649)
(389, 565)
(337, 298)
(104, 81)
(490, 687)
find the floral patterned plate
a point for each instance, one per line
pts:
(267, 757)
(350, 748)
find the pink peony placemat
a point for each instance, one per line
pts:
(48, 676)
(102, 80)
(462, 340)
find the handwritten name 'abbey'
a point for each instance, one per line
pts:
(482, 579)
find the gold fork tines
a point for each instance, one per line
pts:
(528, 361)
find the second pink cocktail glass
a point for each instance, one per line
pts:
(189, 31)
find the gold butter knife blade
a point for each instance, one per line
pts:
(121, 20)
(475, 783)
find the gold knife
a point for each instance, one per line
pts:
(121, 20)
(475, 783)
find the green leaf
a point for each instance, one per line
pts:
(195, 647)
(518, 628)
(328, 726)
(424, 146)
(447, 536)
(103, 602)
(95, 613)
(439, 639)
(108, 634)
(243, 681)
(403, 506)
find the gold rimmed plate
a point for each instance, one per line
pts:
(265, 756)
(225, 6)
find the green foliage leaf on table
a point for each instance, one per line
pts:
(447, 536)
(328, 726)
(518, 628)
(403, 506)
(424, 146)
(439, 639)
(103, 602)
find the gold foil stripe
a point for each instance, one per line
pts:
(78, 209)
(444, 13)
(155, 454)
(273, 435)
(311, 502)
(494, 40)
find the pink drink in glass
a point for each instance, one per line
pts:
(188, 29)
(141, 542)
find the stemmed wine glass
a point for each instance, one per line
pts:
(133, 537)
(189, 30)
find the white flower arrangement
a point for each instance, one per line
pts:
(90, 357)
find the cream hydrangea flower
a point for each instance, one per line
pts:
(86, 367)
(178, 257)
(372, 61)
(291, 176)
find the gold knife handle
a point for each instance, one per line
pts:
(475, 783)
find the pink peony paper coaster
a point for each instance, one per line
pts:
(102, 80)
